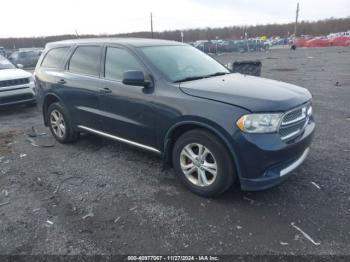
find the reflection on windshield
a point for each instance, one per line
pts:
(183, 63)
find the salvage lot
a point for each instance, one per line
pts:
(102, 197)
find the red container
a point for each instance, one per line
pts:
(317, 42)
(340, 41)
(300, 42)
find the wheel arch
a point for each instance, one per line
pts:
(49, 99)
(175, 131)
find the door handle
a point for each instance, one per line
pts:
(61, 81)
(105, 90)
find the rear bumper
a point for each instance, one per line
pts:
(266, 161)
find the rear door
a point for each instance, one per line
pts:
(126, 111)
(81, 85)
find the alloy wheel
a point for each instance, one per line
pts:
(198, 164)
(57, 123)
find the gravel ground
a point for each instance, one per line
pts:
(102, 197)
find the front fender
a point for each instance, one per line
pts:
(197, 122)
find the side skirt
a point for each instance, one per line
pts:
(129, 142)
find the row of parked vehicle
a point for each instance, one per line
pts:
(245, 45)
(27, 57)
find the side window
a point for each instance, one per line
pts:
(22, 55)
(54, 57)
(30, 54)
(118, 61)
(14, 55)
(86, 61)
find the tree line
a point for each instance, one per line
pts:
(315, 28)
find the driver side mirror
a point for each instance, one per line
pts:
(135, 78)
(20, 66)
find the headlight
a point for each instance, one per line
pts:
(259, 123)
(309, 111)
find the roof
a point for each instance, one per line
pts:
(135, 42)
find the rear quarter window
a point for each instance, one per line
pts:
(54, 57)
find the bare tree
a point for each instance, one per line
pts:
(316, 28)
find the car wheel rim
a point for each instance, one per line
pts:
(198, 164)
(57, 123)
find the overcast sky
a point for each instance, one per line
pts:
(54, 17)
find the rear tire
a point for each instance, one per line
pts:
(60, 124)
(203, 163)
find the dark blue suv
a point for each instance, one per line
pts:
(213, 126)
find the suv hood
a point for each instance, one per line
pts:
(253, 93)
(9, 74)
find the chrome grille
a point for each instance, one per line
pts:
(294, 122)
(291, 116)
(14, 82)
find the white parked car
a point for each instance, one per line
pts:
(16, 85)
(2, 51)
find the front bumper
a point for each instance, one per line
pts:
(265, 160)
(17, 95)
(274, 176)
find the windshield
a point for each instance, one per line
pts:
(5, 64)
(183, 63)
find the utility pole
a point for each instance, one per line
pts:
(152, 25)
(296, 20)
(246, 40)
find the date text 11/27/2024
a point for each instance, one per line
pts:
(173, 258)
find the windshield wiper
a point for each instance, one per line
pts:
(190, 78)
(216, 74)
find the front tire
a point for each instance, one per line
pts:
(60, 124)
(203, 163)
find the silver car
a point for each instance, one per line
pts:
(26, 57)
